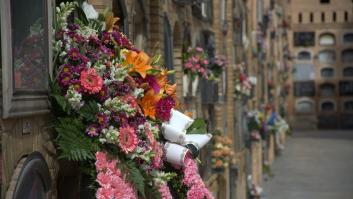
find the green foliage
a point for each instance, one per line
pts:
(197, 127)
(72, 141)
(89, 111)
(135, 176)
(59, 104)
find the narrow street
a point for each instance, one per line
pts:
(314, 165)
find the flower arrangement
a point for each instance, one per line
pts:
(110, 101)
(222, 154)
(218, 64)
(196, 63)
(255, 124)
(243, 85)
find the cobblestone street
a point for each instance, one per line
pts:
(314, 165)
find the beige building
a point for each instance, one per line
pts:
(322, 50)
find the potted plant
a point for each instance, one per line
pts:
(195, 66)
(222, 154)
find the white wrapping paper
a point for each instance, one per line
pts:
(180, 120)
(173, 134)
(175, 154)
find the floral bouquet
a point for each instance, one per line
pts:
(222, 154)
(196, 63)
(217, 66)
(111, 101)
(243, 85)
(255, 123)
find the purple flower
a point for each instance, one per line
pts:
(94, 41)
(121, 118)
(92, 130)
(74, 54)
(152, 82)
(103, 120)
(65, 79)
(73, 27)
(137, 120)
(121, 89)
(122, 40)
(163, 108)
(103, 94)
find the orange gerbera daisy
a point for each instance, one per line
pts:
(139, 62)
(148, 103)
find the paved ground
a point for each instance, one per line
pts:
(314, 165)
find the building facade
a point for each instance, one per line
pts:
(321, 43)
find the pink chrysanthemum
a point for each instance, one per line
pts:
(165, 192)
(91, 81)
(193, 180)
(158, 154)
(112, 185)
(149, 134)
(127, 139)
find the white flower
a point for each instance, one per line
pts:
(74, 98)
(89, 10)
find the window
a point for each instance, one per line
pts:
(28, 50)
(322, 17)
(168, 47)
(328, 106)
(327, 39)
(346, 88)
(348, 106)
(346, 16)
(300, 18)
(347, 55)
(334, 16)
(304, 55)
(327, 56)
(304, 72)
(304, 105)
(302, 89)
(348, 72)
(327, 89)
(311, 17)
(304, 39)
(324, 1)
(348, 38)
(327, 72)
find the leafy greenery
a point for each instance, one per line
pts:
(135, 176)
(72, 141)
(199, 126)
(89, 110)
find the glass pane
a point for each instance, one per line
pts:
(304, 72)
(348, 106)
(30, 55)
(348, 37)
(305, 106)
(347, 55)
(348, 72)
(327, 72)
(327, 39)
(327, 56)
(327, 106)
(327, 90)
(304, 55)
